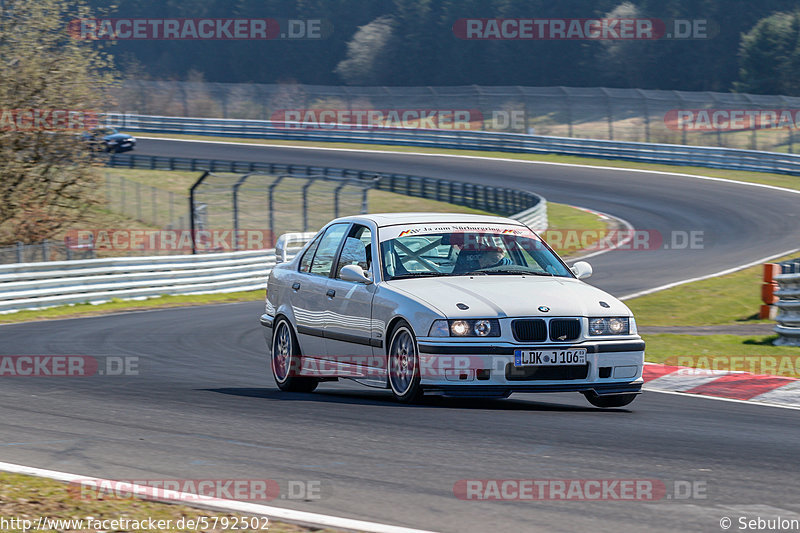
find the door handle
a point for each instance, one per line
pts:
(296, 286)
(331, 293)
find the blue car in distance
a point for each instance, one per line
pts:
(109, 140)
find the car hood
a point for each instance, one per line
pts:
(511, 296)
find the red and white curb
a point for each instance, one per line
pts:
(731, 385)
(217, 504)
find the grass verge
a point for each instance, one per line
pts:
(28, 497)
(116, 306)
(730, 300)
(778, 180)
(722, 352)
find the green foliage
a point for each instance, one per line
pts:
(411, 43)
(46, 174)
(770, 56)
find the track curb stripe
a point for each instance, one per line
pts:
(733, 385)
(217, 504)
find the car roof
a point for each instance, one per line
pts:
(393, 219)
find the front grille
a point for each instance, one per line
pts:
(565, 329)
(533, 330)
(542, 373)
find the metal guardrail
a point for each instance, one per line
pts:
(672, 154)
(41, 285)
(501, 200)
(788, 318)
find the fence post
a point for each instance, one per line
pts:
(191, 207)
(568, 105)
(19, 251)
(364, 202)
(153, 201)
(138, 201)
(308, 184)
(271, 209)
(646, 115)
(336, 192)
(610, 112)
(122, 195)
(45, 250)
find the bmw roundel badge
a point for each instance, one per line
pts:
(544, 308)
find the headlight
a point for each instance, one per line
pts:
(609, 326)
(465, 328)
(459, 328)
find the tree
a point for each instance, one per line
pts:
(769, 56)
(51, 87)
(363, 51)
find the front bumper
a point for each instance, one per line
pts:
(474, 369)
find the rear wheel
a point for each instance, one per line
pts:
(613, 400)
(404, 376)
(285, 360)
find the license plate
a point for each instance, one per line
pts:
(549, 357)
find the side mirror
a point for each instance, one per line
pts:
(355, 273)
(280, 251)
(582, 269)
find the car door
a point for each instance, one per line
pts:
(309, 302)
(350, 335)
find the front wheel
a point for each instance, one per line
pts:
(285, 361)
(404, 376)
(613, 400)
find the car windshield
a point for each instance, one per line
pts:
(461, 250)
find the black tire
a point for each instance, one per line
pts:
(285, 360)
(613, 400)
(403, 364)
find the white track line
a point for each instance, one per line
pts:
(189, 499)
(628, 227)
(701, 396)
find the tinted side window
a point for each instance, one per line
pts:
(305, 261)
(326, 251)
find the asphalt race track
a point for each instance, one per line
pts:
(204, 405)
